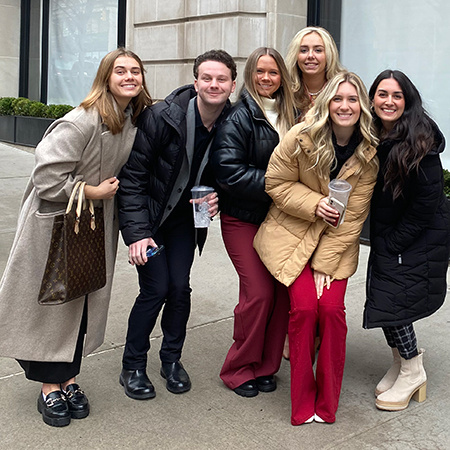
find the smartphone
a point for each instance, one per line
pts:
(340, 208)
(154, 251)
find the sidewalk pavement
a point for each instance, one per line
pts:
(210, 416)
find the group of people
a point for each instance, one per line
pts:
(296, 126)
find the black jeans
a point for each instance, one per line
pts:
(163, 281)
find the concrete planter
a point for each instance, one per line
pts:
(23, 130)
(29, 130)
(8, 129)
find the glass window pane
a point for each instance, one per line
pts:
(413, 37)
(81, 32)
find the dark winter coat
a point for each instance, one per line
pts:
(150, 182)
(410, 245)
(239, 157)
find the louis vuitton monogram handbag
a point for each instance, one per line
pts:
(76, 263)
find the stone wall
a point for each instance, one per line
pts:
(169, 34)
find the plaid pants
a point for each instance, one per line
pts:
(404, 338)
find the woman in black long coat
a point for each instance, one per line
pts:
(410, 234)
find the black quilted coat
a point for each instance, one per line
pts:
(239, 157)
(148, 178)
(410, 245)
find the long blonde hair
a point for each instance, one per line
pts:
(318, 125)
(284, 101)
(101, 98)
(333, 66)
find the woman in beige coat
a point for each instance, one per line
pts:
(305, 253)
(91, 143)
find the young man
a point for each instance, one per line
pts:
(169, 157)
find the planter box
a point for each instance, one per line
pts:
(8, 129)
(29, 130)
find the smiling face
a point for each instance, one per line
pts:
(345, 108)
(125, 81)
(389, 102)
(267, 76)
(214, 84)
(311, 58)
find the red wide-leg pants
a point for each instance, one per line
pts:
(317, 394)
(262, 314)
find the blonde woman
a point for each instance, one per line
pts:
(306, 254)
(91, 143)
(240, 154)
(312, 59)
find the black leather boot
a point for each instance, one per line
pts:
(177, 379)
(136, 384)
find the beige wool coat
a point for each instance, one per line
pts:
(76, 147)
(292, 234)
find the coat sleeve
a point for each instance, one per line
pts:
(56, 159)
(282, 181)
(335, 241)
(426, 194)
(133, 193)
(231, 159)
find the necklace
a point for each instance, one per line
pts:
(313, 95)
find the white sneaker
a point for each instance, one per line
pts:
(318, 419)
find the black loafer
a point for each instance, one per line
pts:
(177, 379)
(54, 409)
(136, 384)
(247, 389)
(266, 384)
(77, 401)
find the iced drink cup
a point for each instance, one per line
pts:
(338, 198)
(201, 206)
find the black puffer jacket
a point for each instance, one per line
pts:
(410, 245)
(148, 178)
(239, 157)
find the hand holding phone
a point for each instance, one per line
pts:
(340, 208)
(154, 251)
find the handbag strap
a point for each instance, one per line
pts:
(72, 196)
(81, 199)
(79, 187)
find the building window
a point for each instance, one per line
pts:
(64, 41)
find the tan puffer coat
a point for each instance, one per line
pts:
(292, 234)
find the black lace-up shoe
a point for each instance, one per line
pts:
(177, 379)
(54, 409)
(77, 401)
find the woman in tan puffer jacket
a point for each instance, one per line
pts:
(305, 253)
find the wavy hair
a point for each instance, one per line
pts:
(333, 65)
(284, 101)
(318, 125)
(413, 133)
(101, 98)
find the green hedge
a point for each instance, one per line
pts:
(10, 106)
(447, 183)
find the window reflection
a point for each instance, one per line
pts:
(81, 32)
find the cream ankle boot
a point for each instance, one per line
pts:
(390, 376)
(411, 382)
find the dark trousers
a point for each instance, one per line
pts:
(163, 282)
(260, 317)
(57, 372)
